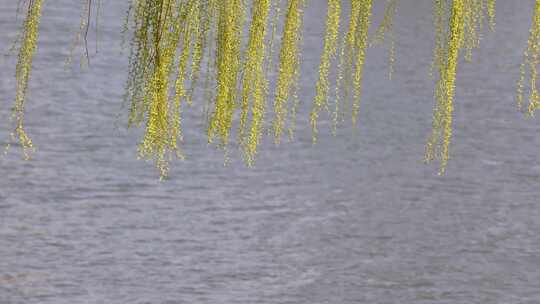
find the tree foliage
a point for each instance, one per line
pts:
(171, 40)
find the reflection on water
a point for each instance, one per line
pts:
(355, 219)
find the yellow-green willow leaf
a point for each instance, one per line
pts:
(491, 13)
(200, 29)
(386, 28)
(446, 84)
(329, 52)
(440, 12)
(211, 13)
(454, 42)
(187, 30)
(531, 59)
(440, 20)
(254, 83)
(339, 80)
(22, 73)
(464, 32)
(360, 45)
(295, 85)
(158, 28)
(288, 66)
(346, 65)
(295, 103)
(231, 16)
(172, 39)
(520, 86)
(473, 16)
(271, 43)
(141, 60)
(157, 140)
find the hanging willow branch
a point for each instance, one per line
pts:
(462, 31)
(254, 82)
(531, 59)
(82, 33)
(22, 74)
(289, 65)
(449, 77)
(439, 63)
(329, 52)
(386, 29)
(230, 25)
(172, 39)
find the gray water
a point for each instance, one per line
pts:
(355, 219)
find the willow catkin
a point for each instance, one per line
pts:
(531, 59)
(231, 15)
(254, 82)
(360, 46)
(288, 66)
(22, 73)
(329, 53)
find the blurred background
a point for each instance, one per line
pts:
(357, 218)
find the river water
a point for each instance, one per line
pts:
(357, 218)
